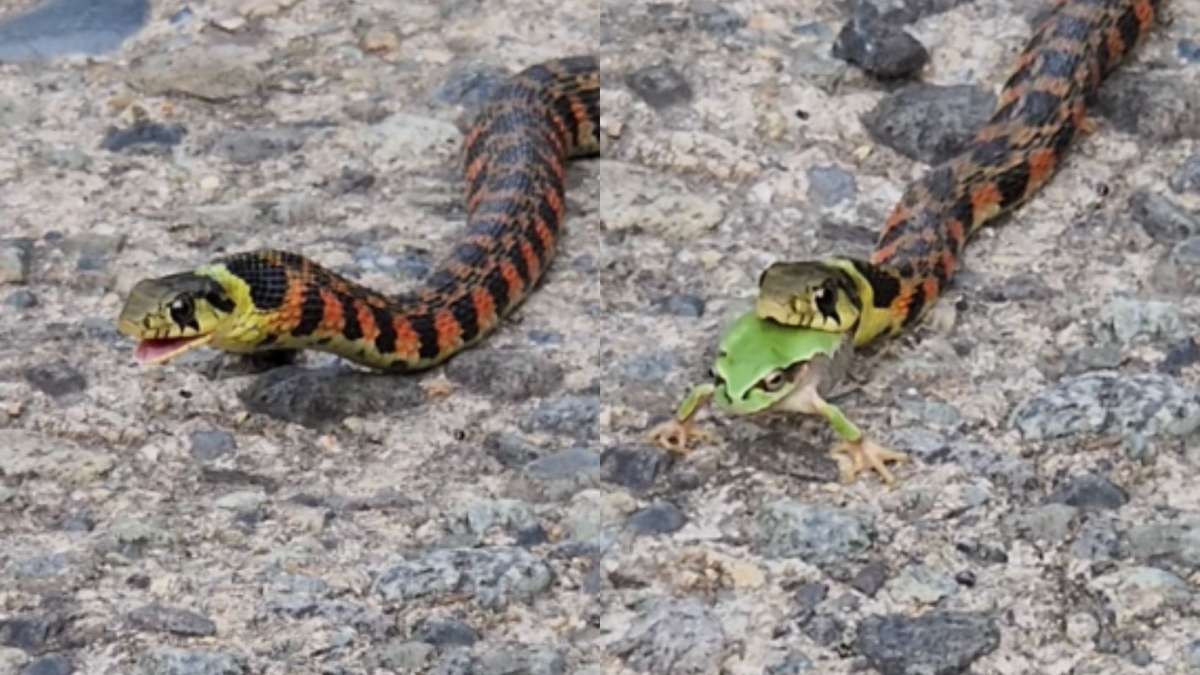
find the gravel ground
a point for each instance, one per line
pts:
(214, 518)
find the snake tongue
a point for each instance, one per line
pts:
(160, 350)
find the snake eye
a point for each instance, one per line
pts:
(183, 311)
(773, 381)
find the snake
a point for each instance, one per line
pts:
(1041, 109)
(514, 158)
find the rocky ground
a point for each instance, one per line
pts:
(207, 518)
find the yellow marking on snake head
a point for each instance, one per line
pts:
(173, 314)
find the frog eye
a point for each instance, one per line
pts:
(773, 381)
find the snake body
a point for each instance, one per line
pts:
(1041, 109)
(514, 162)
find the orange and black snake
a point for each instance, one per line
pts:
(1041, 109)
(514, 159)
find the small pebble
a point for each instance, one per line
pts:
(658, 518)
(660, 85)
(881, 48)
(22, 298)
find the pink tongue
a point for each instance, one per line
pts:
(150, 350)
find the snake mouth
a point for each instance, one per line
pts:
(161, 350)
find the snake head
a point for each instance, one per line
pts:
(172, 314)
(809, 295)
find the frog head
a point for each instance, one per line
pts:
(762, 362)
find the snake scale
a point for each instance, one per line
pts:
(1041, 109)
(514, 159)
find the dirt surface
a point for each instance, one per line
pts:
(504, 513)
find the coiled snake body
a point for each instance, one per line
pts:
(514, 161)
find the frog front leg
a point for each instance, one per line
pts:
(677, 433)
(855, 453)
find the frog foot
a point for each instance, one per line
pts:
(677, 437)
(855, 457)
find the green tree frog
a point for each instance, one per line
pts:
(762, 367)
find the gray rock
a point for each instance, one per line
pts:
(446, 633)
(830, 185)
(144, 138)
(1187, 177)
(492, 577)
(207, 446)
(936, 448)
(1152, 106)
(212, 73)
(1191, 654)
(1143, 592)
(826, 629)
(1179, 356)
(932, 413)
(511, 450)
(250, 146)
(403, 657)
(524, 659)
(570, 415)
(33, 633)
(56, 379)
(1176, 541)
(16, 255)
(173, 661)
(1090, 492)
(156, 617)
(636, 469)
(716, 18)
(70, 158)
(794, 663)
(1105, 356)
(681, 304)
(658, 518)
(673, 637)
(1188, 50)
(595, 516)
(807, 597)
(241, 502)
(40, 567)
(60, 27)
(1179, 272)
(509, 374)
(481, 515)
(937, 643)
(921, 584)
(1050, 523)
(651, 367)
(1162, 218)
(51, 664)
(22, 298)
(296, 595)
(1145, 405)
(132, 537)
(881, 48)
(815, 533)
(563, 473)
(929, 123)
(659, 85)
(471, 86)
(321, 397)
(1097, 540)
(870, 578)
(1129, 318)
